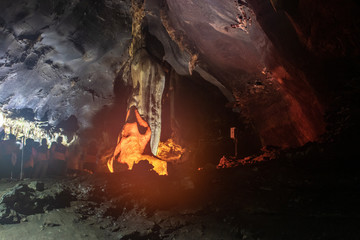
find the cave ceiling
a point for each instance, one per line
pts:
(61, 58)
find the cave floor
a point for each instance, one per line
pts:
(301, 195)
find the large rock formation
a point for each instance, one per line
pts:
(60, 58)
(148, 82)
(268, 58)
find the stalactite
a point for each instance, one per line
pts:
(146, 78)
(148, 81)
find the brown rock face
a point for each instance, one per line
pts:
(274, 61)
(243, 52)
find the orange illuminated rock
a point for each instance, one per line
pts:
(132, 142)
(170, 151)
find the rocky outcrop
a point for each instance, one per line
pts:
(60, 58)
(239, 53)
(272, 60)
(28, 199)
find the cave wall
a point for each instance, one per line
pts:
(274, 61)
(229, 42)
(60, 58)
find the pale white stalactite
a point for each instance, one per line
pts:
(148, 82)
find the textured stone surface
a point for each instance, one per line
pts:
(148, 82)
(60, 58)
(304, 193)
(242, 56)
(272, 60)
(27, 199)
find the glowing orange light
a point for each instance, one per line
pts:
(132, 143)
(170, 151)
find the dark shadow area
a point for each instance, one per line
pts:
(203, 120)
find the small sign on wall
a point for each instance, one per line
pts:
(234, 137)
(232, 132)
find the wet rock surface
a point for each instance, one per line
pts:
(60, 58)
